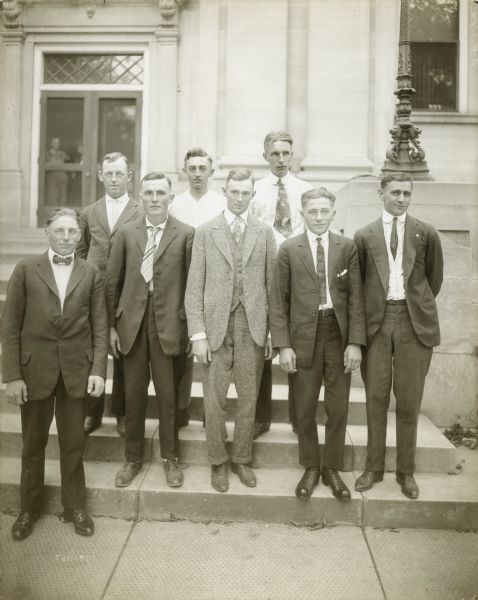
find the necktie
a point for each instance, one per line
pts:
(282, 221)
(62, 260)
(237, 230)
(321, 276)
(394, 239)
(148, 257)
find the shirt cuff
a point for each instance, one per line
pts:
(199, 336)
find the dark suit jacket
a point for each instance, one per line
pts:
(96, 238)
(422, 274)
(39, 341)
(293, 310)
(127, 291)
(211, 279)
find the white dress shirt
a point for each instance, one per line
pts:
(158, 234)
(312, 237)
(264, 202)
(196, 212)
(396, 288)
(114, 208)
(62, 274)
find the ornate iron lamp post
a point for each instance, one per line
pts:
(405, 153)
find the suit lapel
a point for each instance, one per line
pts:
(141, 236)
(45, 272)
(220, 237)
(250, 240)
(376, 243)
(411, 239)
(129, 211)
(335, 250)
(169, 233)
(305, 255)
(76, 276)
(102, 215)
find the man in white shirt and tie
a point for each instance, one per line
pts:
(99, 223)
(55, 343)
(145, 285)
(277, 203)
(401, 262)
(227, 304)
(195, 206)
(317, 322)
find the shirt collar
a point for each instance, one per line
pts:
(51, 254)
(161, 225)
(388, 218)
(284, 179)
(313, 236)
(230, 217)
(122, 199)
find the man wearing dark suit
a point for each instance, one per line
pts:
(99, 223)
(226, 304)
(145, 285)
(55, 343)
(317, 321)
(401, 261)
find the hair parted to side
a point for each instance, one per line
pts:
(153, 175)
(316, 193)
(277, 136)
(56, 213)
(240, 175)
(389, 177)
(112, 156)
(193, 152)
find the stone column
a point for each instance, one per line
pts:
(297, 52)
(11, 56)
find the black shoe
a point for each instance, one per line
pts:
(332, 478)
(245, 474)
(183, 417)
(408, 484)
(127, 473)
(92, 423)
(367, 479)
(174, 475)
(23, 525)
(306, 485)
(260, 428)
(121, 426)
(83, 522)
(220, 477)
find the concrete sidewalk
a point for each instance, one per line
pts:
(183, 560)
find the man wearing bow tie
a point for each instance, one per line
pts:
(317, 322)
(226, 304)
(99, 223)
(277, 203)
(145, 285)
(401, 261)
(55, 343)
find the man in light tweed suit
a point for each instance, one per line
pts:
(226, 304)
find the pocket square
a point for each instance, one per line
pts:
(344, 272)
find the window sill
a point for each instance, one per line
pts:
(440, 117)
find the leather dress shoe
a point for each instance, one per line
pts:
(367, 479)
(219, 477)
(245, 474)
(332, 478)
(121, 426)
(83, 522)
(306, 485)
(174, 475)
(23, 525)
(260, 428)
(408, 484)
(127, 473)
(92, 423)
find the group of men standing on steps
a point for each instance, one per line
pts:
(232, 280)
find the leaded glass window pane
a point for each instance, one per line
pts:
(93, 68)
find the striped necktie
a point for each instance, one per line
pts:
(148, 257)
(321, 275)
(282, 222)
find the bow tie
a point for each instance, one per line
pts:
(62, 260)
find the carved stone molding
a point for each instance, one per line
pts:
(11, 12)
(169, 10)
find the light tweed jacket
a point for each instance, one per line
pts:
(211, 280)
